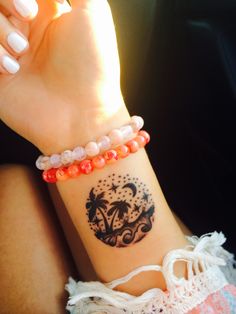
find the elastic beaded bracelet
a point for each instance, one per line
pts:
(115, 138)
(87, 166)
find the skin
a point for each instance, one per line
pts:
(12, 21)
(35, 261)
(68, 89)
(59, 76)
(34, 219)
(111, 263)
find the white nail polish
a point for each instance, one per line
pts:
(26, 8)
(10, 65)
(17, 42)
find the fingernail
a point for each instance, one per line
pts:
(10, 65)
(26, 8)
(17, 42)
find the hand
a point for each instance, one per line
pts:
(14, 31)
(68, 79)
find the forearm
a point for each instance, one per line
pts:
(113, 256)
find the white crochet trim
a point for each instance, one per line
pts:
(203, 258)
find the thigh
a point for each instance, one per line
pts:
(34, 261)
(83, 264)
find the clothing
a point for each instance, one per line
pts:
(208, 289)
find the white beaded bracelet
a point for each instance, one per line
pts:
(113, 139)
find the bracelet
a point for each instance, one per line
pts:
(115, 138)
(98, 162)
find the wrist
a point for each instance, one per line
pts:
(86, 125)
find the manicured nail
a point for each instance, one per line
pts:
(26, 8)
(10, 65)
(17, 42)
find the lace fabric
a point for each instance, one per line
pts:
(210, 270)
(220, 302)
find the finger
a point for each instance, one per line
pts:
(22, 26)
(23, 9)
(8, 65)
(11, 38)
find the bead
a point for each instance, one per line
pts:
(127, 132)
(133, 146)
(50, 175)
(92, 149)
(79, 154)
(98, 162)
(66, 157)
(55, 161)
(140, 140)
(116, 137)
(73, 171)
(43, 163)
(145, 135)
(104, 143)
(123, 151)
(38, 162)
(136, 123)
(110, 156)
(86, 166)
(112, 146)
(62, 174)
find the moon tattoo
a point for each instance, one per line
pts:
(120, 210)
(132, 187)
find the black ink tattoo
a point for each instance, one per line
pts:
(114, 187)
(145, 196)
(120, 210)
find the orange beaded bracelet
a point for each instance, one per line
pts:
(87, 166)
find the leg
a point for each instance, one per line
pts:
(80, 256)
(34, 260)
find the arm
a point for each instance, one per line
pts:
(66, 95)
(107, 255)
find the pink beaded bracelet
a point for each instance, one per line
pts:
(115, 138)
(87, 166)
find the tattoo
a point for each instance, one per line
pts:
(120, 210)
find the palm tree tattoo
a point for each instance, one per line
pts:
(120, 210)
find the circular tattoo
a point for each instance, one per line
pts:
(120, 210)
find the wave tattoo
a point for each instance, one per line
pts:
(120, 210)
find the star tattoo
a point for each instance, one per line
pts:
(136, 208)
(145, 197)
(114, 187)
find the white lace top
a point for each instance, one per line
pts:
(209, 267)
